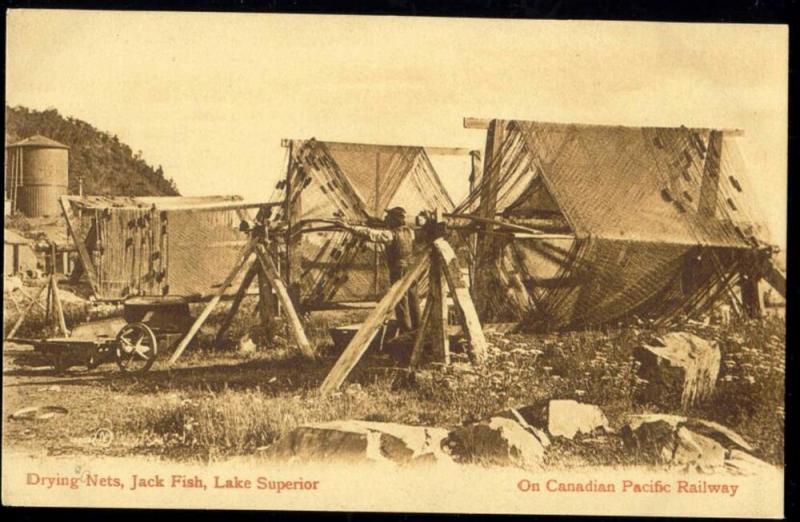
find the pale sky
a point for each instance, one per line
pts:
(209, 96)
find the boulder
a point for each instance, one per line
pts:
(498, 441)
(560, 418)
(681, 441)
(725, 436)
(741, 463)
(653, 442)
(713, 430)
(531, 426)
(567, 418)
(681, 367)
(696, 450)
(361, 441)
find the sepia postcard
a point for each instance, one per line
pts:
(394, 264)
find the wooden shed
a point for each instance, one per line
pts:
(18, 253)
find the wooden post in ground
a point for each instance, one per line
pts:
(58, 311)
(437, 290)
(293, 320)
(237, 301)
(420, 336)
(34, 302)
(243, 258)
(463, 301)
(49, 300)
(266, 308)
(361, 341)
(488, 187)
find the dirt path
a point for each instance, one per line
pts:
(104, 398)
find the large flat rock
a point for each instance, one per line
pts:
(498, 441)
(362, 441)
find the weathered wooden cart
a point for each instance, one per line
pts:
(148, 327)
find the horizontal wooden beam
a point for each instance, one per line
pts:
(523, 235)
(219, 205)
(431, 151)
(483, 124)
(477, 123)
(350, 305)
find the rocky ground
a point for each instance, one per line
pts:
(558, 400)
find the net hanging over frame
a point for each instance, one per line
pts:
(158, 246)
(646, 221)
(355, 182)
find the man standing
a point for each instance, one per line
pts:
(398, 239)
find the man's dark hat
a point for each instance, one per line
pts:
(396, 211)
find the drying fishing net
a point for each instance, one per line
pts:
(158, 246)
(357, 183)
(652, 221)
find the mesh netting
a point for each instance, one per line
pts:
(157, 247)
(646, 207)
(357, 183)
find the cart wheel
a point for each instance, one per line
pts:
(136, 348)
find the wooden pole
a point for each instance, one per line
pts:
(86, 260)
(57, 309)
(475, 177)
(361, 341)
(265, 306)
(237, 301)
(437, 290)
(243, 257)
(292, 318)
(776, 279)
(34, 302)
(463, 301)
(486, 242)
(419, 338)
(49, 306)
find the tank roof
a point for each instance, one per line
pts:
(39, 141)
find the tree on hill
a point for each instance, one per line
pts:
(107, 166)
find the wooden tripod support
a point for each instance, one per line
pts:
(54, 312)
(261, 264)
(443, 272)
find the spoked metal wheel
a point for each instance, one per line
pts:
(136, 348)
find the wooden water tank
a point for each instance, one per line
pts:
(37, 175)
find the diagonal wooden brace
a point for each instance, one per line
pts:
(361, 341)
(463, 301)
(422, 331)
(292, 318)
(237, 301)
(244, 256)
(83, 253)
(58, 311)
(34, 301)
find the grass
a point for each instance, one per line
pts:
(212, 410)
(236, 422)
(590, 366)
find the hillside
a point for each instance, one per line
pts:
(107, 166)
